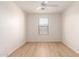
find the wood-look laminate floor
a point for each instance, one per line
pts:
(44, 50)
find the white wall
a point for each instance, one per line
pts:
(11, 28)
(54, 28)
(71, 27)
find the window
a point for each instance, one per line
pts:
(43, 25)
(43, 22)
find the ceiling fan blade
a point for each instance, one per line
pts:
(52, 5)
(46, 4)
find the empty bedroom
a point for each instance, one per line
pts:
(39, 28)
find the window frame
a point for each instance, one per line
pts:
(43, 26)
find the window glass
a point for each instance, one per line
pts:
(43, 26)
(43, 22)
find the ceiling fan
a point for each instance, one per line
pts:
(45, 4)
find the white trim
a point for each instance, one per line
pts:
(19, 45)
(71, 48)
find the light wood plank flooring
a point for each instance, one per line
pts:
(44, 50)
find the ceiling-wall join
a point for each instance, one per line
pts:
(37, 6)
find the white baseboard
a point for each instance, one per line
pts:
(16, 48)
(45, 41)
(19, 45)
(71, 48)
